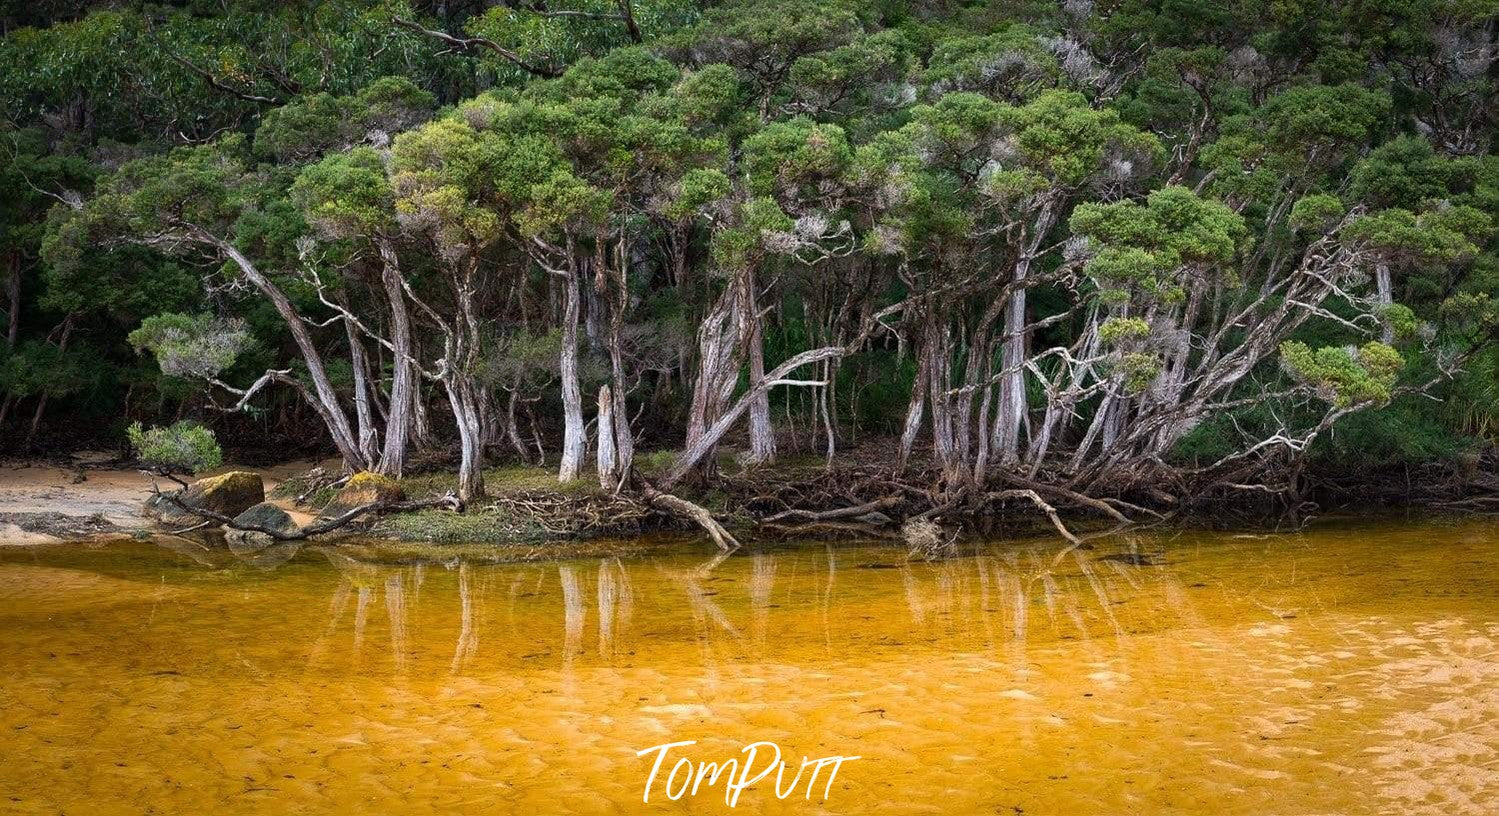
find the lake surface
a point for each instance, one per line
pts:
(1345, 670)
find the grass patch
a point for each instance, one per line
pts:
(295, 486)
(483, 525)
(499, 480)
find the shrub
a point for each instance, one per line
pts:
(184, 447)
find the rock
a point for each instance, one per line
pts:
(229, 494)
(265, 515)
(361, 489)
(269, 516)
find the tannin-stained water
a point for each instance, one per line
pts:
(1342, 670)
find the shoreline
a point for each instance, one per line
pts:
(91, 496)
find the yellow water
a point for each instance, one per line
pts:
(1345, 670)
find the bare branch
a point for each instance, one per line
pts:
(468, 44)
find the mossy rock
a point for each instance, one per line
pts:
(265, 515)
(269, 516)
(228, 494)
(361, 489)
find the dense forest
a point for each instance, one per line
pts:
(1107, 245)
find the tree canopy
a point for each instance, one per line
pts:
(1061, 240)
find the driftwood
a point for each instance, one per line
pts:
(1035, 498)
(693, 512)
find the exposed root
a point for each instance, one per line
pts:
(565, 515)
(1134, 508)
(1070, 495)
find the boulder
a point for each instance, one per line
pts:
(361, 489)
(269, 516)
(229, 494)
(265, 515)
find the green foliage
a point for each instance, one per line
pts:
(198, 346)
(1147, 250)
(1120, 329)
(1343, 376)
(1144, 150)
(1445, 234)
(1402, 322)
(697, 189)
(1471, 312)
(1011, 65)
(311, 125)
(184, 447)
(1316, 213)
(347, 195)
(789, 157)
(1137, 370)
(1404, 172)
(37, 368)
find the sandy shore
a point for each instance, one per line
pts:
(91, 494)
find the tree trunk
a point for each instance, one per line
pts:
(1012, 412)
(608, 458)
(13, 297)
(421, 423)
(364, 417)
(914, 410)
(574, 433)
(1384, 295)
(618, 417)
(41, 403)
(694, 453)
(512, 429)
(1012, 404)
(718, 367)
(464, 399)
(937, 347)
(403, 367)
(13, 319)
(762, 436)
(1100, 419)
(326, 403)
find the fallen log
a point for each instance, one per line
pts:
(692, 512)
(838, 513)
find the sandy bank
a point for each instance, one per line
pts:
(87, 496)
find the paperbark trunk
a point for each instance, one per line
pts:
(403, 368)
(608, 460)
(326, 403)
(574, 431)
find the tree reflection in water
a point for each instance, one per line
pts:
(988, 597)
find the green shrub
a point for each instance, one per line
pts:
(185, 447)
